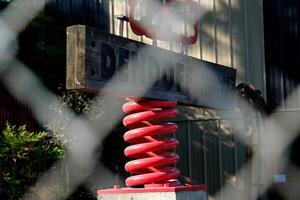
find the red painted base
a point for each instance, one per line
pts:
(118, 190)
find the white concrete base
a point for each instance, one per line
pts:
(178, 195)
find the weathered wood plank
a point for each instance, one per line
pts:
(99, 61)
(75, 58)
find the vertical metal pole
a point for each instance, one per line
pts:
(121, 27)
(189, 149)
(236, 145)
(204, 157)
(220, 158)
(246, 39)
(230, 33)
(112, 17)
(215, 30)
(122, 19)
(200, 38)
(183, 49)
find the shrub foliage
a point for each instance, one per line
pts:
(24, 156)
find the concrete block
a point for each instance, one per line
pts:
(143, 194)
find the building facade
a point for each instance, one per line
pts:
(259, 38)
(231, 34)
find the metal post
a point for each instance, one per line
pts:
(122, 19)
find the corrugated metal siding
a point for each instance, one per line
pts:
(14, 111)
(88, 12)
(230, 33)
(213, 167)
(210, 153)
(198, 154)
(183, 150)
(282, 22)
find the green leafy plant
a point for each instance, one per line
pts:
(24, 156)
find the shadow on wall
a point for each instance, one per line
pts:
(89, 12)
(282, 65)
(213, 147)
(210, 151)
(221, 34)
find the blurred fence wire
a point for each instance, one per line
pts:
(275, 132)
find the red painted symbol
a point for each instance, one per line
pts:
(140, 28)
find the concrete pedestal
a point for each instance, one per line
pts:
(168, 193)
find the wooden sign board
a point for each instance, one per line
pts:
(102, 62)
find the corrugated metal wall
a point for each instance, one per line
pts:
(15, 112)
(230, 33)
(283, 73)
(219, 24)
(210, 151)
(88, 12)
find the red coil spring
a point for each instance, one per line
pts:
(149, 149)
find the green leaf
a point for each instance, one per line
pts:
(21, 151)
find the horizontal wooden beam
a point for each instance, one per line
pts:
(102, 62)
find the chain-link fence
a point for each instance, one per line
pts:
(236, 153)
